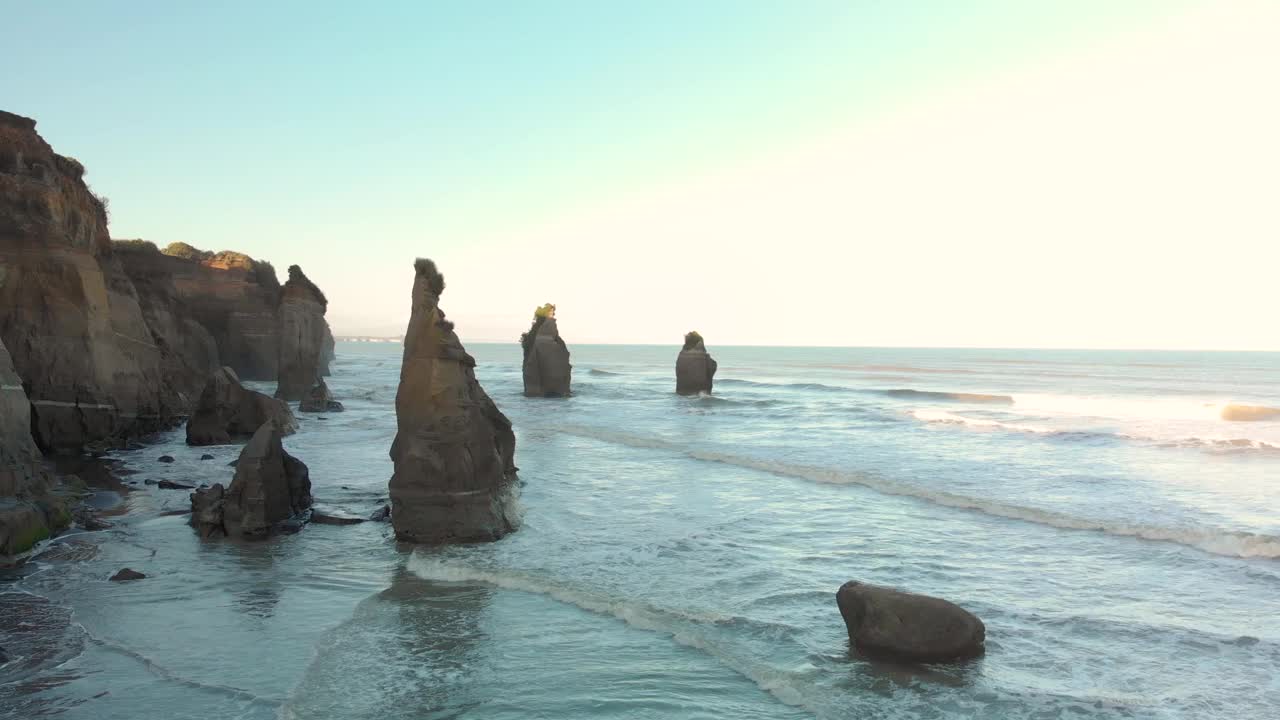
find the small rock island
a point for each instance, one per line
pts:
(546, 358)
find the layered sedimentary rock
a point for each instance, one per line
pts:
(891, 624)
(29, 511)
(454, 451)
(228, 410)
(546, 358)
(319, 399)
(695, 368)
(329, 351)
(302, 336)
(68, 313)
(271, 490)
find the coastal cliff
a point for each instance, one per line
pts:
(29, 511)
(69, 314)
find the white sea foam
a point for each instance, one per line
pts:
(1213, 540)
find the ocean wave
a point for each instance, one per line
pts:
(818, 387)
(1216, 444)
(907, 393)
(598, 371)
(1248, 413)
(683, 626)
(1227, 543)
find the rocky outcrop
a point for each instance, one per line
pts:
(271, 490)
(228, 410)
(29, 510)
(302, 336)
(895, 625)
(319, 399)
(328, 352)
(546, 358)
(695, 368)
(68, 313)
(454, 451)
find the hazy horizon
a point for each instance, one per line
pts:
(1039, 175)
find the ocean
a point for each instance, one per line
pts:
(679, 556)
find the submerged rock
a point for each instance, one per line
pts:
(302, 336)
(29, 509)
(270, 491)
(896, 625)
(547, 370)
(319, 399)
(165, 459)
(126, 575)
(228, 410)
(454, 451)
(695, 368)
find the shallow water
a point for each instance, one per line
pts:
(679, 556)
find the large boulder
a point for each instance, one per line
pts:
(271, 489)
(228, 410)
(546, 358)
(319, 400)
(302, 336)
(454, 451)
(69, 314)
(695, 368)
(29, 510)
(896, 625)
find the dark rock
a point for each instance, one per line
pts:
(127, 574)
(302, 335)
(382, 514)
(324, 518)
(149, 481)
(30, 510)
(695, 368)
(229, 410)
(547, 370)
(319, 399)
(4, 658)
(165, 458)
(170, 485)
(454, 450)
(206, 456)
(86, 519)
(895, 625)
(328, 352)
(271, 492)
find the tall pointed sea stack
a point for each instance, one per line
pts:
(695, 368)
(302, 336)
(546, 358)
(454, 451)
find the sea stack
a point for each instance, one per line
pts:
(695, 368)
(546, 358)
(29, 511)
(454, 452)
(302, 336)
(228, 410)
(271, 490)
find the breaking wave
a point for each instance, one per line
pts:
(1248, 413)
(909, 394)
(1227, 543)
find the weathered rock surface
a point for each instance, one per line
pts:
(546, 360)
(328, 351)
(127, 574)
(228, 410)
(895, 625)
(68, 313)
(695, 368)
(29, 510)
(319, 399)
(302, 336)
(271, 489)
(454, 452)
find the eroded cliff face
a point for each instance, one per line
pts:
(29, 510)
(69, 314)
(303, 333)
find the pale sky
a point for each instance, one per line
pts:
(1008, 174)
